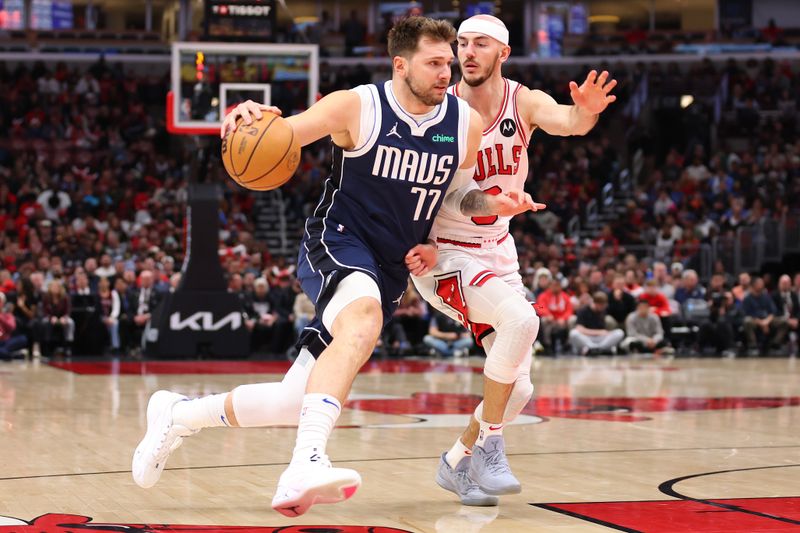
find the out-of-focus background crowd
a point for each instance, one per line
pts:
(671, 228)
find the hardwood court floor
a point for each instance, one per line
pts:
(632, 445)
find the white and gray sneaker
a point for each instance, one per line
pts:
(489, 468)
(457, 481)
(161, 439)
(302, 485)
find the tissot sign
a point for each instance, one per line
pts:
(236, 10)
(248, 20)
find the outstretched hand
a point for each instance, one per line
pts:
(514, 202)
(421, 259)
(593, 95)
(247, 111)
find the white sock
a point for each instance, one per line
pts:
(456, 453)
(487, 430)
(205, 412)
(317, 418)
(274, 404)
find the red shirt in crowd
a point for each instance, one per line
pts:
(7, 325)
(556, 306)
(658, 303)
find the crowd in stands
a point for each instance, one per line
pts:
(93, 192)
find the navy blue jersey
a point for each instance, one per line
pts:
(387, 191)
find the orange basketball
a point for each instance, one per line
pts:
(263, 155)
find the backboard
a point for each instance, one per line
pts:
(208, 79)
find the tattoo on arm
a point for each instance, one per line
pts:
(475, 203)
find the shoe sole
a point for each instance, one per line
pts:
(497, 491)
(153, 421)
(477, 502)
(502, 491)
(334, 491)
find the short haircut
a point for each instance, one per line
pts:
(600, 297)
(404, 37)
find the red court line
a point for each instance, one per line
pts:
(244, 367)
(669, 516)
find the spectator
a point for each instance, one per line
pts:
(644, 332)
(259, 317)
(741, 290)
(303, 312)
(590, 336)
(127, 310)
(106, 268)
(144, 301)
(281, 298)
(620, 302)
(690, 288)
(555, 310)
(85, 312)
(632, 286)
(90, 268)
(787, 304)
(663, 281)
(446, 337)
(58, 325)
(541, 281)
(412, 316)
(26, 309)
(659, 303)
(110, 308)
(718, 330)
(761, 320)
(11, 341)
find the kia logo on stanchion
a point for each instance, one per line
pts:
(508, 127)
(204, 321)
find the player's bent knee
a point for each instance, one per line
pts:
(359, 324)
(517, 326)
(518, 316)
(500, 369)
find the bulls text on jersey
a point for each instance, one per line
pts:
(494, 160)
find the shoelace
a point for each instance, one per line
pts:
(496, 461)
(162, 450)
(465, 482)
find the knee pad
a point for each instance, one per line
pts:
(354, 286)
(517, 325)
(521, 394)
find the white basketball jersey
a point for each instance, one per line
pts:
(502, 165)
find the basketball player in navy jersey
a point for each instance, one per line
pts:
(477, 267)
(400, 151)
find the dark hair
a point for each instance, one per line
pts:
(600, 297)
(404, 37)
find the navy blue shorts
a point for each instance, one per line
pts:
(321, 266)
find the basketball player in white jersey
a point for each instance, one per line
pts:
(401, 150)
(476, 279)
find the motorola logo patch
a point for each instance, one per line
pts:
(508, 127)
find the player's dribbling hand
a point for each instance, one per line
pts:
(247, 111)
(421, 259)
